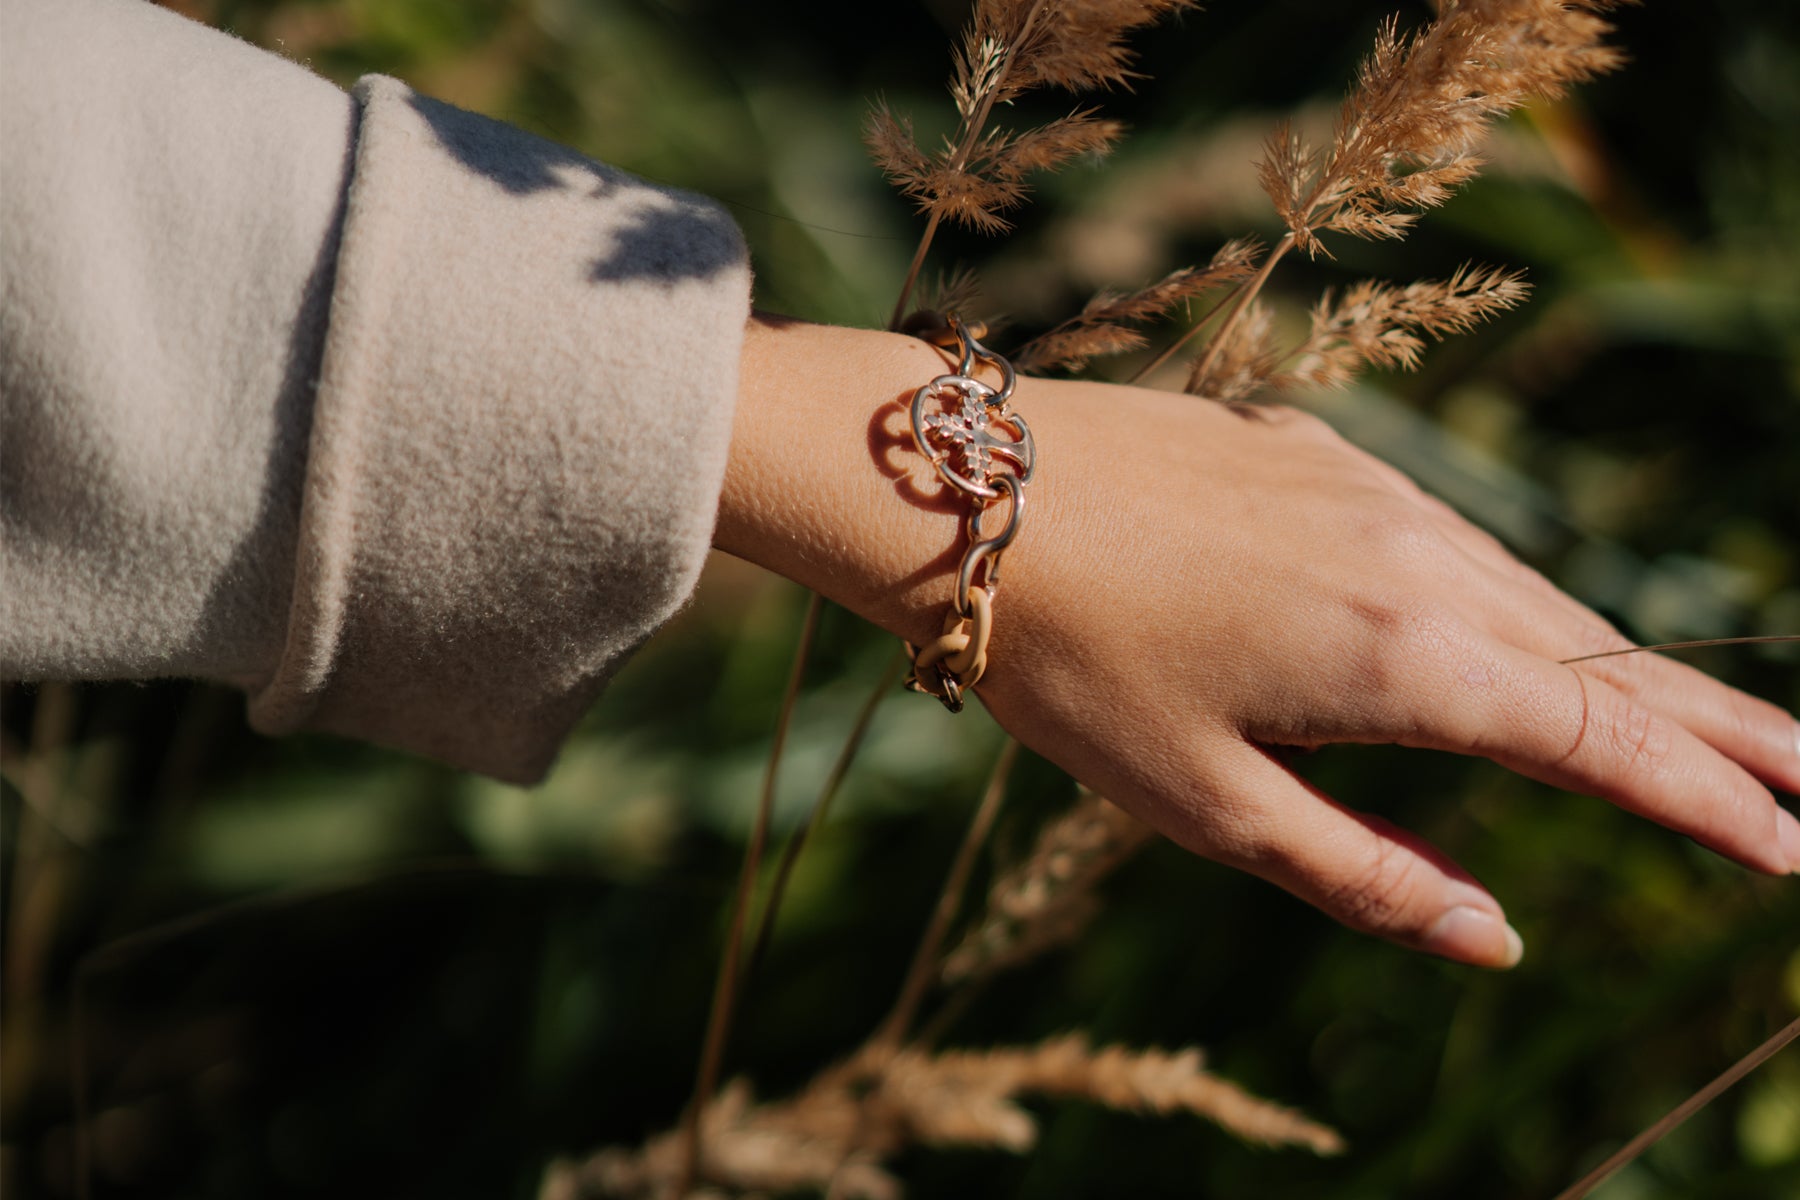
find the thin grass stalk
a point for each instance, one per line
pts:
(20, 768)
(1687, 1108)
(1174, 347)
(923, 971)
(790, 854)
(1240, 303)
(912, 271)
(725, 988)
(951, 1010)
(44, 866)
(971, 135)
(1761, 640)
(81, 1151)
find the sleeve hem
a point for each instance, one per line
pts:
(518, 441)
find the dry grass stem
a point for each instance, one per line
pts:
(726, 992)
(865, 1111)
(1767, 639)
(1241, 359)
(975, 187)
(1072, 44)
(923, 970)
(782, 1147)
(1046, 899)
(815, 817)
(1010, 46)
(1406, 137)
(1143, 1081)
(958, 291)
(1104, 325)
(1681, 1112)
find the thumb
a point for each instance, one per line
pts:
(1363, 870)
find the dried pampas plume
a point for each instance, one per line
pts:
(1240, 361)
(1371, 324)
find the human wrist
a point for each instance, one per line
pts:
(822, 484)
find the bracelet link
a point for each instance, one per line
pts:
(963, 439)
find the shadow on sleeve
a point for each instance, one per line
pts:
(665, 235)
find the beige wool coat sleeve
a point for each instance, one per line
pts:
(408, 423)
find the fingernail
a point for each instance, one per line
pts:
(1789, 831)
(1475, 935)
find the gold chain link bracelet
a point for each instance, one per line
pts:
(954, 419)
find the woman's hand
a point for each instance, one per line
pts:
(1197, 587)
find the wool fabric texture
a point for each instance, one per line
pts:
(408, 423)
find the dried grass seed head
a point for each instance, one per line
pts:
(1047, 898)
(1406, 135)
(1010, 47)
(1384, 325)
(1074, 44)
(986, 1082)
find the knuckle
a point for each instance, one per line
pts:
(1381, 894)
(1415, 664)
(1399, 639)
(1408, 631)
(1404, 539)
(1639, 741)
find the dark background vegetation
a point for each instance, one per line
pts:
(312, 968)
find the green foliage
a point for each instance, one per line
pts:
(312, 968)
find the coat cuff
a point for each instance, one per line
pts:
(519, 437)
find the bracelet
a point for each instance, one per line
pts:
(954, 419)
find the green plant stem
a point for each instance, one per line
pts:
(1681, 1112)
(790, 854)
(725, 988)
(923, 971)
